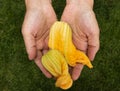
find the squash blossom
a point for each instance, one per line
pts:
(60, 38)
(56, 64)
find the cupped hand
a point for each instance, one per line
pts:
(81, 18)
(38, 19)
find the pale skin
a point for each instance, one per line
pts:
(78, 14)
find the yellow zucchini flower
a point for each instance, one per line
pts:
(56, 64)
(60, 38)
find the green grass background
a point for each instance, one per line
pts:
(17, 73)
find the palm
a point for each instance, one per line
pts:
(84, 27)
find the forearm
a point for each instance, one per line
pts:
(81, 2)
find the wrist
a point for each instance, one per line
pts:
(81, 2)
(36, 4)
(72, 1)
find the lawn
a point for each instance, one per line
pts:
(17, 73)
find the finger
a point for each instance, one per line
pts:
(77, 71)
(92, 50)
(42, 41)
(93, 46)
(80, 44)
(29, 38)
(44, 51)
(30, 44)
(46, 42)
(39, 64)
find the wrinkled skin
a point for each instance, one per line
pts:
(38, 19)
(83, 22)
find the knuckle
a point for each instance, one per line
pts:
(92, 33)
(23, 31)
(98, 47)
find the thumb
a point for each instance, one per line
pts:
(30, 44)
(93, 46)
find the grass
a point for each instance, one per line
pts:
(17, 73)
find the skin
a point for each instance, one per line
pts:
(40, 16)
(79, 14)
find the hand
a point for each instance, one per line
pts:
(81, 18)
(37, 22)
